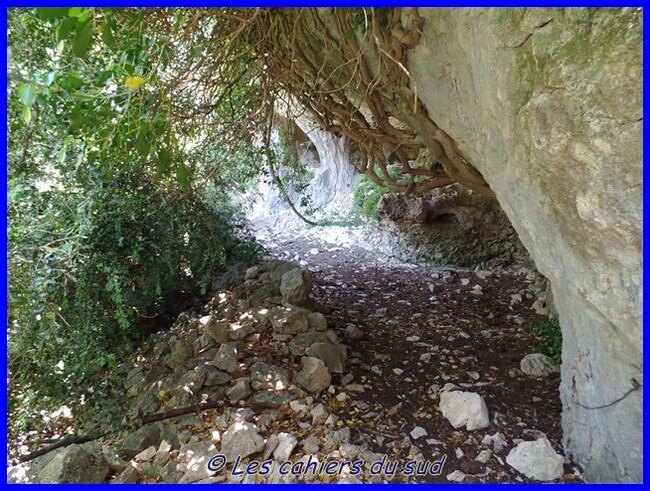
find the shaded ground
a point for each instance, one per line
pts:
(424, 329)
(418, 332)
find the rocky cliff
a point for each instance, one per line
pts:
(452, 226)
(546, 103)
(324, 155)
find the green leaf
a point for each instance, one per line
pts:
(64, 30)
(75, 12)
(83, 40)
(49, 78)
(27, 94)
(84, 96)
(183, 176)
(92, 158)
(164, 161)
(72, 82)
(51, 13)
(27, 114)
(62, 154)
(142, 143)
(85, 15)
(78, 119)
(107, 33)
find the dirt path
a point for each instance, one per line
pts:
(424, 329)
(411, 336)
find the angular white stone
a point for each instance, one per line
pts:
(286, 443)
(418, 432)
(456, 476)
(536, 460)
(241, 439)
(464, 409)
(313, 376)
(146, 454)
(537, 365)
(484, 456)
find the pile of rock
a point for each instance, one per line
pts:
(263, 359)
(258, 346)
(215, 356)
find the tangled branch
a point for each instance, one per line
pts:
(347, 68)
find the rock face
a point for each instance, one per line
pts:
(450, 226)
(536, 460)
(558, 139)
(324, 154)
(334, 176)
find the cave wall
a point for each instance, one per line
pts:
(333, 181)
(451, 226)
(324, 154)
(546, 103)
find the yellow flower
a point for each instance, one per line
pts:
(134, 82)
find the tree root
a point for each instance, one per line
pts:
(196, 408)
(64, 442)
(149, 418)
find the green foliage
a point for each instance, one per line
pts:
(248, 251)
(92, 87)
(308, 176)
(551, 334)
(109, 228)
(366, 196)
(296, 177)
(148, 248)
(367, 193)
(88, 276)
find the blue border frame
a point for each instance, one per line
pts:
(331, 3)
(5, 298)
(644, 266)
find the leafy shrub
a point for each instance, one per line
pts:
(106, 238)
(91, 274)
(366, 196)
(148, 247)
(551, 334)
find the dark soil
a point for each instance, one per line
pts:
(462, 330)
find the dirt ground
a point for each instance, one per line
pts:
(414, 331)
(424, 328)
